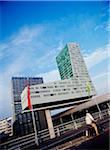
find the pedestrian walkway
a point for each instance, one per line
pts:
(72, 143)
(71, 138)
(98, 142)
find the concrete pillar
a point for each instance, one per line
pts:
(50, 124)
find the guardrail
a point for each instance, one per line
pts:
(43, 135)
(62, 128)
(18, 142)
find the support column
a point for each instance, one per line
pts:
(50, 124)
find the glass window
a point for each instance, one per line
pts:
(36, 115)
(24, 118)
(20, 118)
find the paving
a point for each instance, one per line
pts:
(99, 142)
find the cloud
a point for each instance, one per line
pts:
(32, 51)
(20, 42)
(97, 56)
(24, 54)
(101, 79)
(49, 59)
(98, 27)
(26, 34)
(50, 76)
(103, 74)
(102, 82)
(24, 46)
(108, 26)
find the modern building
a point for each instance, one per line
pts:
(6, 126)
(71, 88)
(24, 123)
(56, 94)
(96, 104)
(71, 64)
(18, 84)
(70, 91)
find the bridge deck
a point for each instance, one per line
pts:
(66, 139)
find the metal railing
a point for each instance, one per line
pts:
(62, 128)
(18, 142)
(43, 135)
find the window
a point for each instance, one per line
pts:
(46, 95)
(29, 117)
(52, 94)
(43, 87)
(36, 115)
(35, 96)
(37, 92)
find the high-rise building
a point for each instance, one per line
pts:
(75, 84)
(71, 64)
(18, 84)
(68, 92)
(24, 123)
(64, 63)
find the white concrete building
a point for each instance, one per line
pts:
(71, 90)
(54, 93)
(71, 64)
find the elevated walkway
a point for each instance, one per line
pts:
(74, 136)
(94, 143)
(65, 135)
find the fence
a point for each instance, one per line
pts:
(77, 123)
(43, 135)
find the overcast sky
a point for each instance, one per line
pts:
(33, 33)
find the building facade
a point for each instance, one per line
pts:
(64, 63)
(55, 94)
(6, 126)
(73, 85)
(18, 84)
(71, 64)
(71, 90)
(24, 123)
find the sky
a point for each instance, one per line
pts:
(33, 33)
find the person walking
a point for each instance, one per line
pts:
(91, 122)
